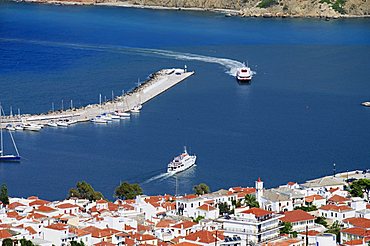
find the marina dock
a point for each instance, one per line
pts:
(157, 83)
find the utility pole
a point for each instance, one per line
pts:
(306, 235)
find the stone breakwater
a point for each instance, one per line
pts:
(156, 84)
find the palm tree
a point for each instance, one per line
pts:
(251, 201)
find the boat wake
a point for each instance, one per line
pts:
(161, 176)
(230, 65)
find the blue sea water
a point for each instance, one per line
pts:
(300, 114)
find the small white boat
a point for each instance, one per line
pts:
(10, 127)
(106, 117)
(52, 124)
(62, 123)
(19, 128)
(114, 117)
(136, 109)
(71, 121)
(99, 120)
(244, 74)
(366, 104)
(32, 127)
(122, 114)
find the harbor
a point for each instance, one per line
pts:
(102, 112)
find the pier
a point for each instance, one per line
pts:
(157, 83)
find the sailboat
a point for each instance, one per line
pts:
(4, 157)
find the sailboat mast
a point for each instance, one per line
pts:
(15, 146)
(1, 132)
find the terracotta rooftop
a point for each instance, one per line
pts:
(57, 226)
(184, 225)
(296, 216)
(358, 222)
(206, 237)
(357, 231)
(331, 207)
(338, 199)
(313, 198)
(258, 212)
(206, 207)
(5, 234)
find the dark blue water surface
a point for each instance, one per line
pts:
(301, 113)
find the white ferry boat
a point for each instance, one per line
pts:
(244, 74)
(181, 162)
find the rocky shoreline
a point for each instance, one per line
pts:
(319, 9)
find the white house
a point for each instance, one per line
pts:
(336, 213)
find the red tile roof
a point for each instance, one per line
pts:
(30, 230)
(206, 207)
(12, 214)
(357, 231)
(39, 202)
(331, 207)
(356, 242)
(13, 205)
(32, 198)
(204, 237)
(186, 244)
(79, 232)
(144, 237)
(338, 199)
(165, 223)
(313, 198)
(99, 233)
(258, 212)
(184, 225)
(310, 233)
(57, 226)
(67, 205)
(45, 209)
(358, 222)
(291, 183)
(104, 244)
(296, 216)
(190, 196)
(5, 234)
(101, 201)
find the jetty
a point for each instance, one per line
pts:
(156, 84)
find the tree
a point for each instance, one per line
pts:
(84, 190)
(251, 201)
(4, 198)
(335, 229)
(307, 209)
(7, 242)
(224, 208)
(321, 220)
(287, 228)
(199, 218)
(201, 189)
(127, 191)
(25, 242)
(359, 187)
(74, 243)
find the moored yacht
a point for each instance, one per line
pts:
(181, 162)
(244, 74)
